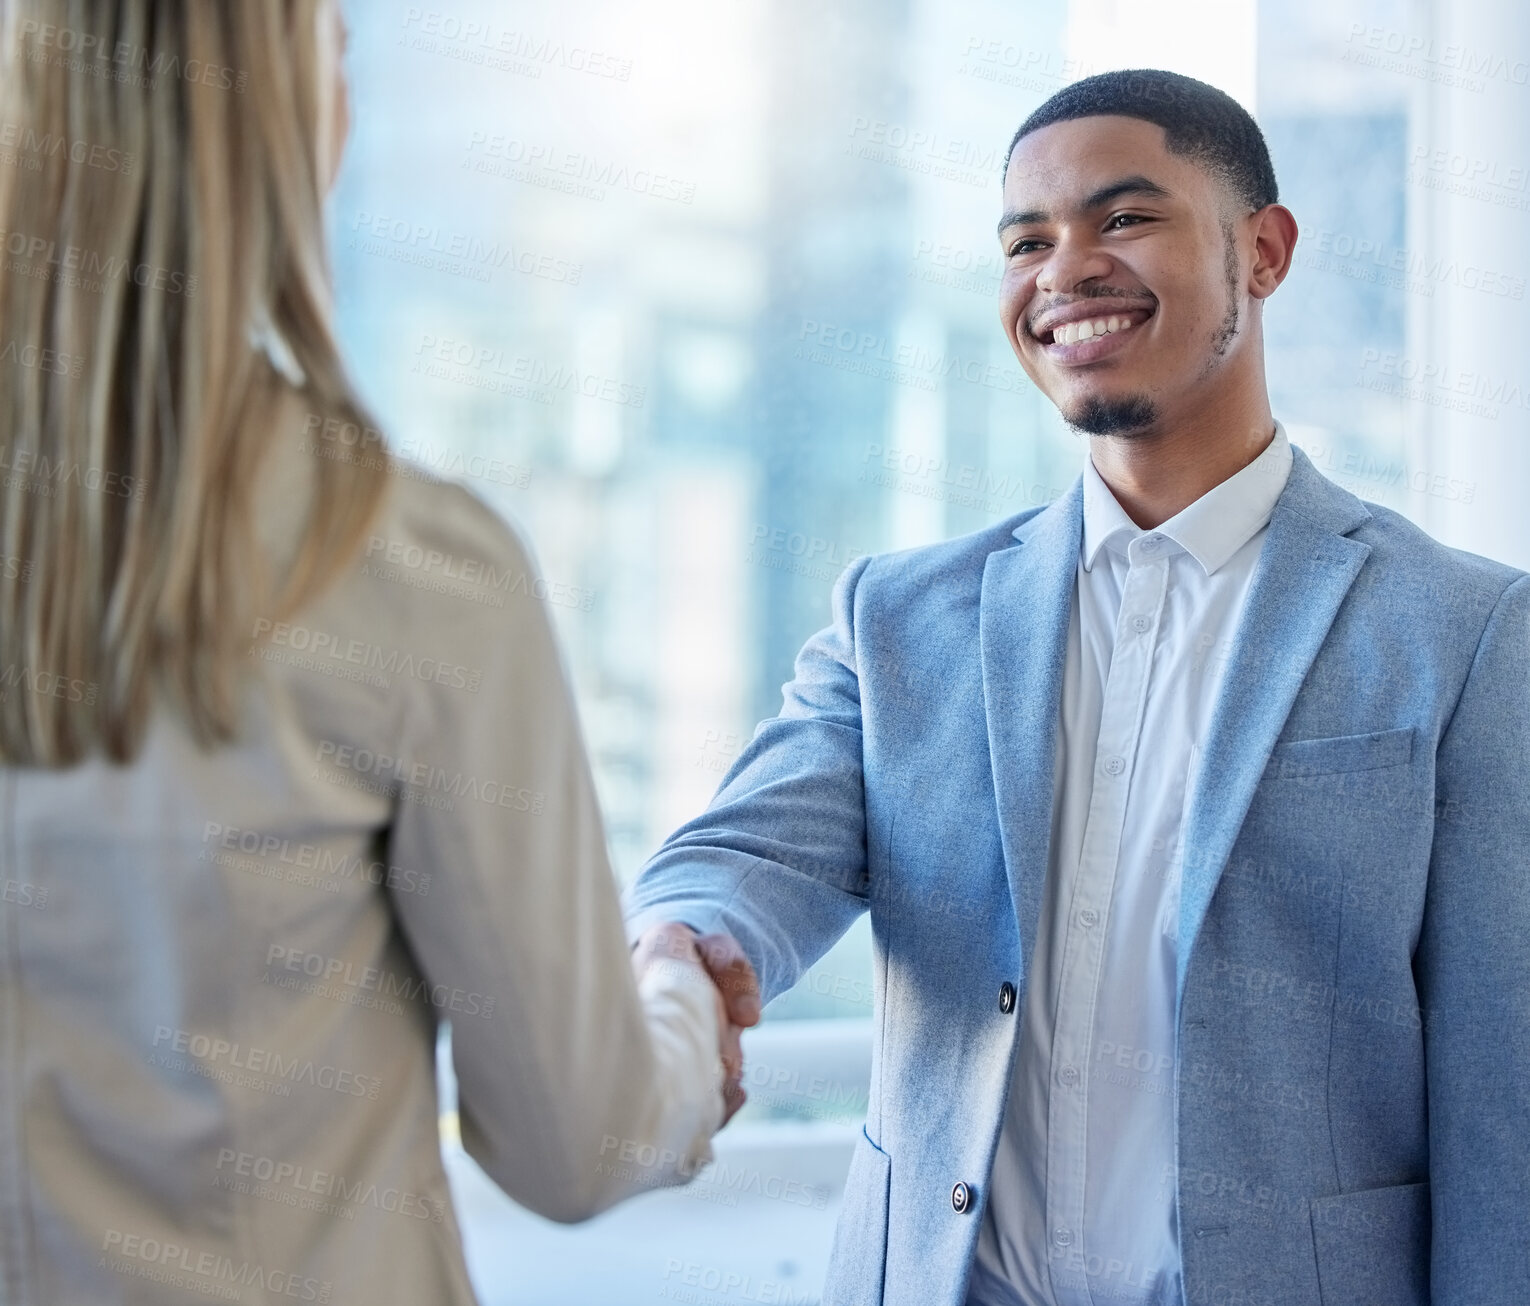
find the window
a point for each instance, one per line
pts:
(702, 294)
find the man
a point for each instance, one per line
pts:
(1191, 811)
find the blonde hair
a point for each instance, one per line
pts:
(160, 205)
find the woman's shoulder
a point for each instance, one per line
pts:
(433, 532)
(439, 569)
(426, 535)
(438, 580)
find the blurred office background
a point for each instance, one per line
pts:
(702, 295)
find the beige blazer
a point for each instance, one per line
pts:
(222, 975)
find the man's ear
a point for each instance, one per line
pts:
(1275, 234)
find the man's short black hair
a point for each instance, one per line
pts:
(1201, 123)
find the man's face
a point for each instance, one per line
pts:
(1103, 226)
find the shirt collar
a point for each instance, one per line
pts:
(1211, 529)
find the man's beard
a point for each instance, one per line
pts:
(1227, 332)
(1130, 415)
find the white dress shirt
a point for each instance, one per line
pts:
(1082, 1206)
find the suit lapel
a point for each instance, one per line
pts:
(1027, 600)
(1304, 571)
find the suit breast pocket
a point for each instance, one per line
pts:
(1296, 759)
(1333, 833)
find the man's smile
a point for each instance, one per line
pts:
(1084, 333)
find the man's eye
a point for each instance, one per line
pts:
(1022, 247)
(1126, 217)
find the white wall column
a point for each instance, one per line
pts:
(1468, 188)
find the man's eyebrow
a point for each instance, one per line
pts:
(1012, 218)
(1134, 185)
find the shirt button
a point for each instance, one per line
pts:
(1115, 765)
(1006, 997)
(1062, 1237)
(1141, 624)
(1151, 542)
(1068, 1075)
(1089, 918)
(961, 1199)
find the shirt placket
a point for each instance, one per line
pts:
(1088, 923)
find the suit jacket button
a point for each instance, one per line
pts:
(961, 1199)
(1006, 997)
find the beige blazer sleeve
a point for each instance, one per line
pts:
(576, 1087)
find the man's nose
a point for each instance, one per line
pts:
(1071, 263)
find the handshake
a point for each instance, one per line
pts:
(736, 986)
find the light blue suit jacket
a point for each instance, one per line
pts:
(1353, 1067)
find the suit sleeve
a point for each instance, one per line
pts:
(575, 1088)
(1473, 970)
(778, 860)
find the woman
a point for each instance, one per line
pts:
(270, 807)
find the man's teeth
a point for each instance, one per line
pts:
(1073, 332)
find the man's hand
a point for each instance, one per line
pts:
(738, 991)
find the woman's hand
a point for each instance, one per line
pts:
(737, 991)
